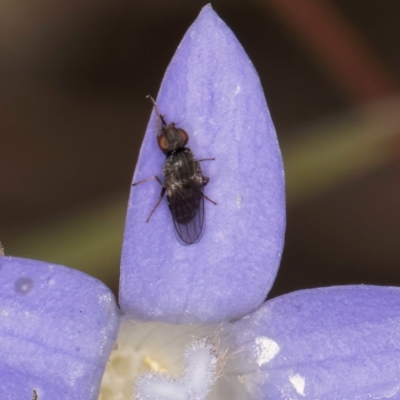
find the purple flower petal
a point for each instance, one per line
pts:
(329, 343)
(57, 329)
(211, 90)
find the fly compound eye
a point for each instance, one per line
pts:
(163, 143)
(184, 136)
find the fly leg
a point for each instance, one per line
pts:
(149, 179)
(163, 188)
(205, 181)
(206, 159)
(207, 198)
(158, 202)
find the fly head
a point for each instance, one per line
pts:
(171, 138)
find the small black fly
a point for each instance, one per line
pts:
(184, 182)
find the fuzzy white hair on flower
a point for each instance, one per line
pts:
(204, 363)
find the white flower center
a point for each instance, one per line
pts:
(157, 361)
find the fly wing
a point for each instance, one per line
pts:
(187, 209)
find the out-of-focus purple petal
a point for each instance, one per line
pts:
(329, 343)
(211, 90)
(57, 329)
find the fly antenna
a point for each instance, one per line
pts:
(156, 108)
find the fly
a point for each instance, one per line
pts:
(183, 182)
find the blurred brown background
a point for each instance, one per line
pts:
(74, 75)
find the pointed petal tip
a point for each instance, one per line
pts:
(207, 13)
(207, 9)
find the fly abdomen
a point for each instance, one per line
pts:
(185, 202)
